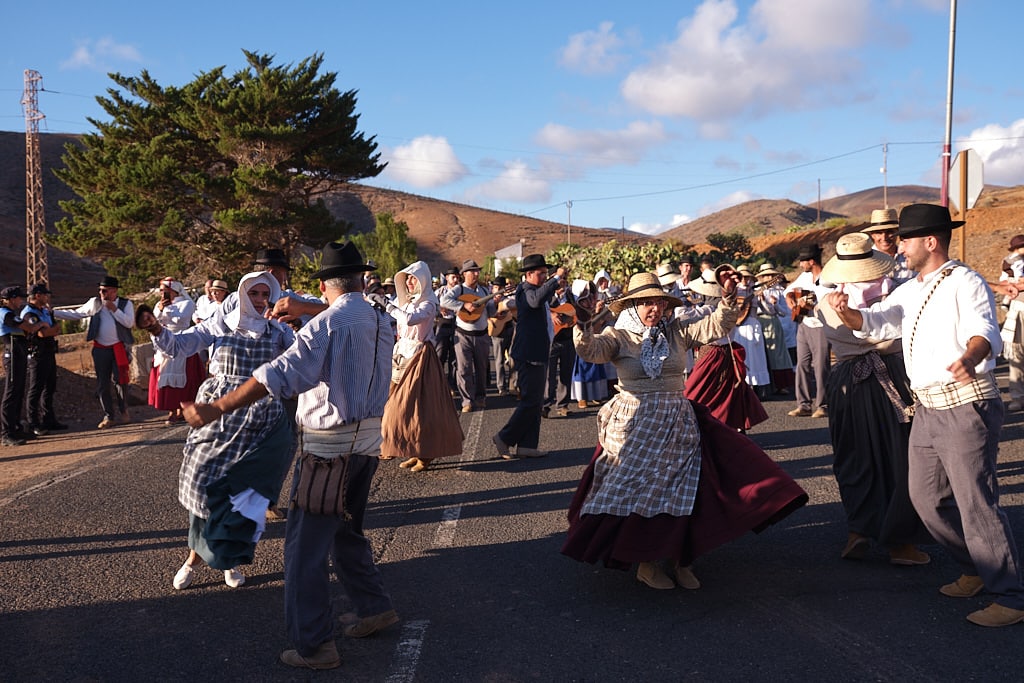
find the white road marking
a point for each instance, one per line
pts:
(407, 652)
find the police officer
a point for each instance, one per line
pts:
(42, 362)
(13, 332)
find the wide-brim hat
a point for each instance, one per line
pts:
(921, 220)
(768, 270)
(744, 270)
(643, 286)
(469, 264)
(534, 262)
(500, 280)
(809, 252)
(109, 281)
(856, 260)
(341, 258)
(450, 271)
(882, 219)
(1016, 242)
(705, 287)
(667, 273)
(272, 257)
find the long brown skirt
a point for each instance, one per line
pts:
(740, 489)
(419, 418)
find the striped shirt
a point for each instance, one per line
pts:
(339, 365)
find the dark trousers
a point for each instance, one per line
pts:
(444, 344)
(15, 367)
(309, 540)
(560, 361)
(523, 427)
(106, 378)
(42, 385)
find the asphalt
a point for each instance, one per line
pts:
(470, 554)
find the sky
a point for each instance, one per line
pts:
(597, 113)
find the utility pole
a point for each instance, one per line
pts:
(947, 146)
(35, 220)
(568, 222)
(819, 204)
(885, 175)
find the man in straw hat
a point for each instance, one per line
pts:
(340, 368)
(870, 401)
(883, 228)
(954, 439)
(530, 350)
(813, 357)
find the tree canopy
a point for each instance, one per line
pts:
(196, 178)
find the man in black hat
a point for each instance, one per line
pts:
(111, 319)
(444, 333)
(473, 305)
(340, 368)
(954, 438)
(14, 331)
(42, 362)
(530, 349)
(813, 353)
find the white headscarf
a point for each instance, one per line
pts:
(421, 271)
(244, 318)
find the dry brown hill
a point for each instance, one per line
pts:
(447, 233)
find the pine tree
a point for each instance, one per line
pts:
(197, 178)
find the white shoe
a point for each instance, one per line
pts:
(233, 578)
(183, 579)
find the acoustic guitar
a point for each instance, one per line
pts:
(497, 324)
(563, 316)
(803, 303)
(479, 301)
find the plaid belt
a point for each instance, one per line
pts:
(954, 394)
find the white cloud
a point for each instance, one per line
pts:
(1001, 150)
(728, 200)
(425, 162)
(834, 191)
(592, 52)
(655, 228)
(101, 55)
(603, 147)
(718, 68)
(516, 183)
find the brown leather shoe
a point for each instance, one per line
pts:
(908, 556)
(964, 587)
(996, 615)
(325, 657)
(652, 575)
(275, 514)
(800, 412)
(820, 412)
(367, 626)
(856, 547)
(686, 578)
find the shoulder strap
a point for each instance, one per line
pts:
(938, 281)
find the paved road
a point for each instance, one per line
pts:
(470, 552)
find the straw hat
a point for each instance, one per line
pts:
(642, 286)
(767, 270)
(667, 273)
(705, 287)
(744, 270)
(882, 219)
(856, 261)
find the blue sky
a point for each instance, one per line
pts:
(641, 114)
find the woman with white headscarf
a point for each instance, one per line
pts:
(174, 379)
(233, 467)
(668, 482)
(419, 424)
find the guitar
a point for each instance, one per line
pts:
(497, 324)
(479, 301)
(802, 303)
(563, 316)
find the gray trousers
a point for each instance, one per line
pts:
(472, 356)
(499, 350)
(954, 489)
(106, 378)
(308, 541)
(813, 362)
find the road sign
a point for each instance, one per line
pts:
(975, 178)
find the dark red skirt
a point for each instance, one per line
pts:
(170, 398)
(718, 381)
(740, 489)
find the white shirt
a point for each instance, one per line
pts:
(806, 282)
(961, 307)
(106, 335)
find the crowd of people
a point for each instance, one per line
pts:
(678, 363)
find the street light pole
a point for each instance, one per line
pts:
(947, 147)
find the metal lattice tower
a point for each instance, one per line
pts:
(35, 218)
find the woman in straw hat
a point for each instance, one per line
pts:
(719, 376)
(869, 416)
(419, 424)
(658, 488)
(778, 326)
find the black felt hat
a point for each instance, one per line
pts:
(534, 262)
(272, 257)
(110, 281)
(921, 220)
(341, 259)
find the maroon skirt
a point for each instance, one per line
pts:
(718, 381)
(740, 489)
(171, 398)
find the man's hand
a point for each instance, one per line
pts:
(728, 280)
(377, 299)
(200, 414)
(287, 308)
(962, 370)
(839, 301)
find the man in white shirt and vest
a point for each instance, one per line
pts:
(954, 439)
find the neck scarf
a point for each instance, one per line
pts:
(653, 345)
